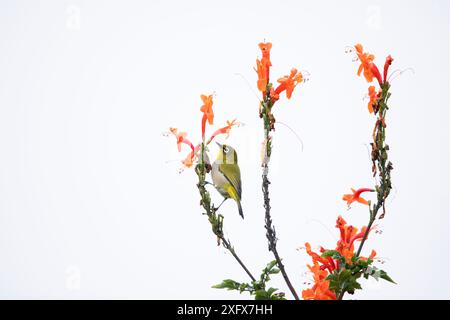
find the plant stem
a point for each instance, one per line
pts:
(270, 229)
(227, 245)
(271, 235)
(380, 158)
(366, 234)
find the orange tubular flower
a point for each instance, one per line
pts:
(265, 50)
(371, 257)
(321, 288)
(345, 244)
(289, 83)
(207, 110)
(262, 76)
(225, 130)
(326, 263)
(373, 98)
(388, 62)
(366, 60)
(349, 234)
(189, 160)
(376, 73)
(367, 66)
(181, 138)
(273, 95)
(350, 198)
(263, 66)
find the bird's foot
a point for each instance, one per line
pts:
(206, 183)
(215, 209)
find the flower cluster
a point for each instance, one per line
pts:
(371, 72)
(336, 272)
(286, 83)
(208, 117)
(329, 263)
(271, 94)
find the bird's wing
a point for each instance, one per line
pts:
(233, 175)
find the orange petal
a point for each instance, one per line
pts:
(362, 200)
(347, 197)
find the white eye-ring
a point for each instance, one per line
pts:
(225, 149)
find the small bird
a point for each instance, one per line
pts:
(226, 175)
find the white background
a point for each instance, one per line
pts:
(91, 201)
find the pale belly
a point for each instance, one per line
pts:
(219, 180)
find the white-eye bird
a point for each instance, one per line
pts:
(226, 175)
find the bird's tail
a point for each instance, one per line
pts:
(241, 213)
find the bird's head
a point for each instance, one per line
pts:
(227, 154)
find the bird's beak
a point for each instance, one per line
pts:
(220, 146)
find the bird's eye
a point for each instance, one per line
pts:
(225, 149)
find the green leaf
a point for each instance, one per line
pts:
(345, 281)
(257, 288)
(277, 297)
(378, 274)
(274, 271)
(271, 291)
(330, 253)
(334, 283)
(334, 255)
(261, 295)
(228, 284)
(245, 287)
(271, 264)
(332, 277)
(344, 275)
(384, 275)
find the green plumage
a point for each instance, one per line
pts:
(226, 175)
(233, 175)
